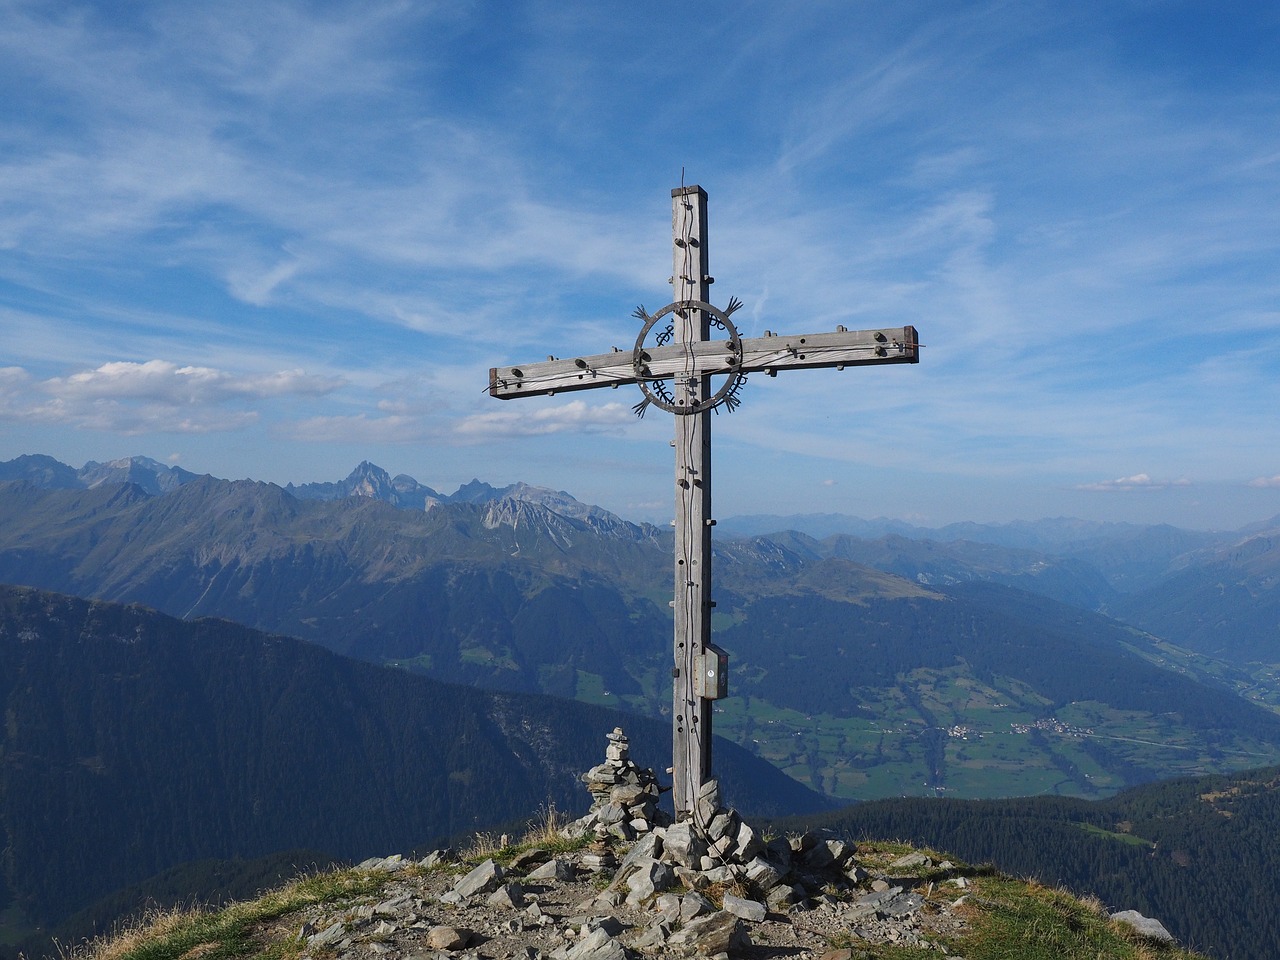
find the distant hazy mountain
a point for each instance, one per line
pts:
(1048, 534)
(371, 481)
(367, 481)
(855, 680)
(150, 475)
(1128, 556)
(134, 742)
(1225, 605)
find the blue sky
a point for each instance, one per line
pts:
(274, 239)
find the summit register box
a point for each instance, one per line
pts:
(712, 679)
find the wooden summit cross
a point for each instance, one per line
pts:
(675, 372)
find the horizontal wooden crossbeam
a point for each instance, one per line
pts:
(769, 354)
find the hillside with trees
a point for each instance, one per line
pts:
(134, 742)
(1198, 853)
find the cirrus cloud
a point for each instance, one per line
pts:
(576, 416)
(165, 381)
(1139, 481)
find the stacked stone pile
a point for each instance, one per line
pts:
(624, 796)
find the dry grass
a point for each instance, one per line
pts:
(544, 827)
(129, 936)
(191, 933)
(542, 830)
(485, 845)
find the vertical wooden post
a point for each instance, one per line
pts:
(689, 369)
(691, 714)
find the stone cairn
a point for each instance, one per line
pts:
(624, 796)
(714, 846)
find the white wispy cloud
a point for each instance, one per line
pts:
(167, 382)
(576, 416)
(398, 422)
(362, 428)
(1139, 481)
(1086, 242)
(129, 398)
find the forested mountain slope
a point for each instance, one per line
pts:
(1200, 854)
(134, 742)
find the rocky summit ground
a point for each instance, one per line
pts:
(624, 882)
(561, 907)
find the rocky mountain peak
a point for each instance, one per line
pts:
(370, 480)
(151, 475)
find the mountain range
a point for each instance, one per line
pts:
(862, 668)
(869, 659)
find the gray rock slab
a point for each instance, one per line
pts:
(652, 877)
(654, 936)
(393, 906)
(625, 794)
(329, 935)
(723, 874)
(784, 895)
(681, 845)
(721, 825)
(597, 945)
(763, 874)
(912, 861)
(557, 869)
(707, 936)
(749, 845)
(482, 879)
(878, 898)
(438, 856)
(751, 910)
(818, 857)
(1147, 926)
(386, 864)
(694, 904)
(648, 847)
(509, 895)
(610, 925)
(668, 907)
(611, 813)
(903, 905)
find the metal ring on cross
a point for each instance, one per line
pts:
(654, 385)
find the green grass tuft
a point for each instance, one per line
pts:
(1016, 920)
(227, 934)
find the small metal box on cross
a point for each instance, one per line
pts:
(681, 369)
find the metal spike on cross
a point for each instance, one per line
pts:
(675, 373)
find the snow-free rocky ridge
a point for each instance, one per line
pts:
(642, 886)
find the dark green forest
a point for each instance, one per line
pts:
(134, 742)
(1199, 854)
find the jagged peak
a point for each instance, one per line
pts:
(367, 469)
(475, 491)
(151, 475)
